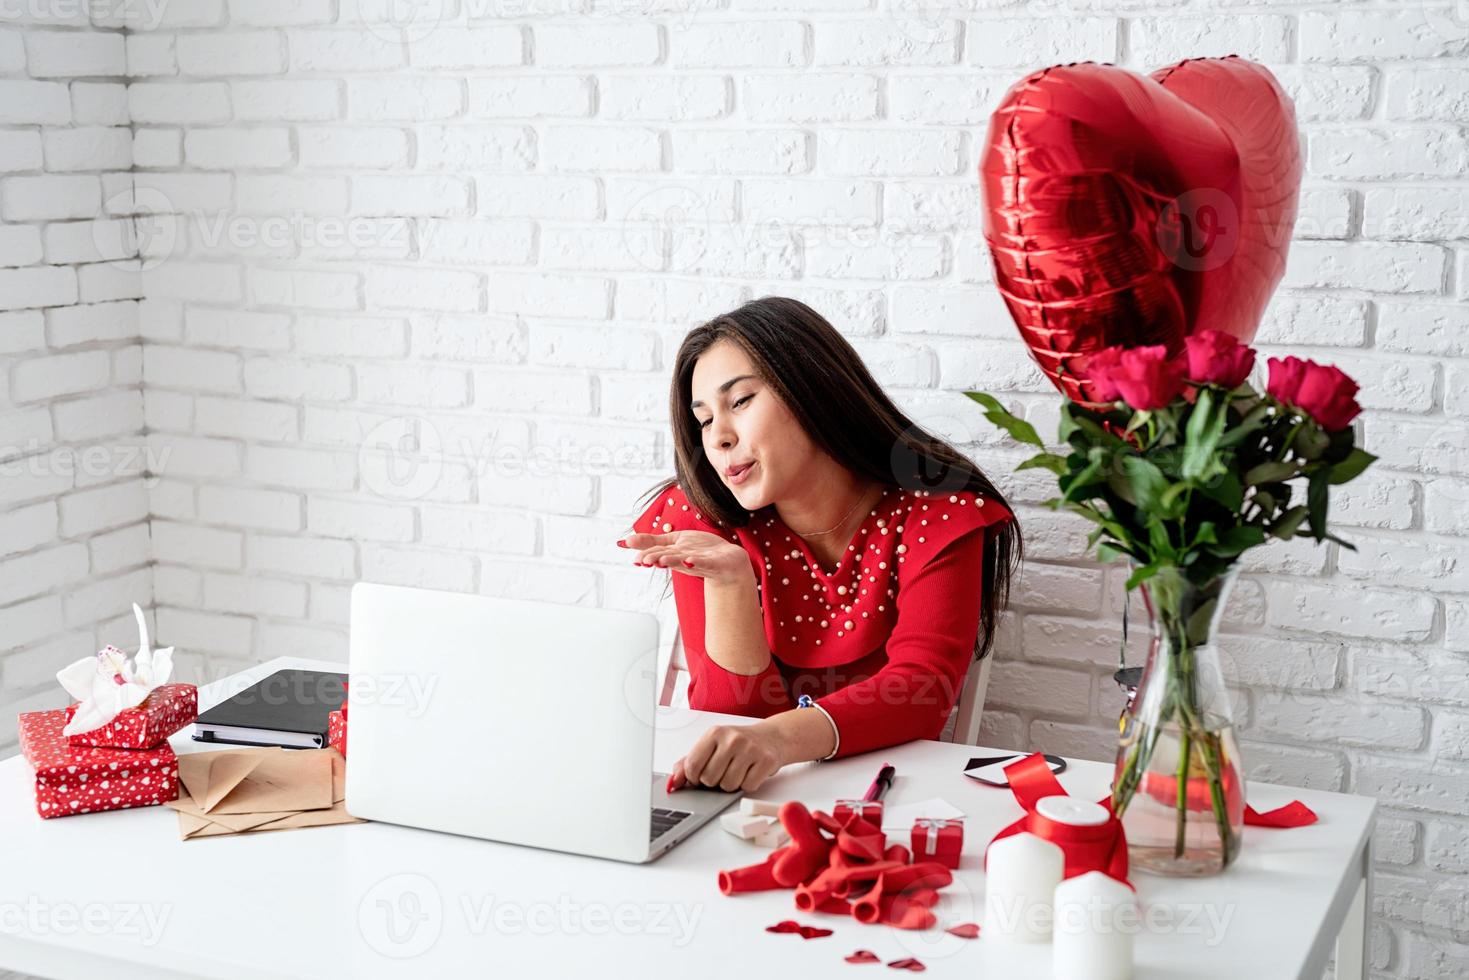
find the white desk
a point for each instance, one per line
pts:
(316, 902)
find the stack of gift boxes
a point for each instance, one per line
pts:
(933, 838)
(124, 763)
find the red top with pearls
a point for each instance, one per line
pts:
(882, 641)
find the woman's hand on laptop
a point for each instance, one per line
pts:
(731, 757)
(697, 553)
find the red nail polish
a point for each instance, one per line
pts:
(671, 787)
(622, 542)
(687, 563)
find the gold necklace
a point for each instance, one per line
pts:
(817, 534)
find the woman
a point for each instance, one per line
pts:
(822, 545)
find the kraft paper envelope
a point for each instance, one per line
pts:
(258, 789)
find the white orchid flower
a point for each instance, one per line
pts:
(109, 683)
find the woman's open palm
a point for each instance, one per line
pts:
(699, 553)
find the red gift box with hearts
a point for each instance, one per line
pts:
(336, 725)
(336, 731)
(88, 779)
(938, 839)
(166, 709)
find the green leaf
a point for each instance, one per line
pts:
(1091, 427)
(1045, 461)
(1081, 478)
(1197, 626)
(1340, 445)
(1019, 429)
(1205, 533)
(1251, 421)
(1067, 425)
(1147, 481)
(1104, 522)
(1312, 441)
(1351, 467)
(1109, 552)
(1316, 493)
(1120, 484)
(1285, 527)
(1141, 575)
(1201, 436)
(1344, 543)
(1226, 490)
(1272, 471)
(1090, 513)
(1236, 540)
(1171, 495)
(1158, 540)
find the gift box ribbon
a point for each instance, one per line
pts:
(928, 829)
(860, 807)
(938, 823)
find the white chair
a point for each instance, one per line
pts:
(962, 726)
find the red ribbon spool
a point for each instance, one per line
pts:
(1101, 847)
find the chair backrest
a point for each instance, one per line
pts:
(962, 726)
(673, 684)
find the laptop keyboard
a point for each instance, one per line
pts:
(664, 820)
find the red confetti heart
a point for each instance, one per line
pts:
(863, 956)
(908, 964)
(791, 925)
(964, 930)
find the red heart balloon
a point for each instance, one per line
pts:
(1128, 209)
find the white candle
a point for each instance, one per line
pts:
(1095, 918)
(1069, 810)
(1021, 875)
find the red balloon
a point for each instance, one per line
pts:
(1137, 209)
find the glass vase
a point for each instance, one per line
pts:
(1178, 784)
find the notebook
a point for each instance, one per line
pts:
(288, 708)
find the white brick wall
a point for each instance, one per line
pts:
(74, 542)
(411, 301)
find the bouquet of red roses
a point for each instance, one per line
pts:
(1180, 462)
(1183, 466)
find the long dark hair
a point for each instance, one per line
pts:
(845, 412)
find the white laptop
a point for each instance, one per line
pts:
(511, 720)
